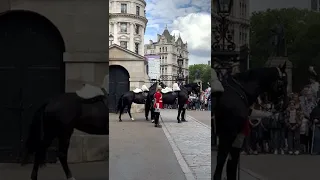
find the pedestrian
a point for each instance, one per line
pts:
(277, 130)
(158, 104)
(209, 103)
(293, 122)
(307, 103)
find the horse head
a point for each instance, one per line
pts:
(270, 80)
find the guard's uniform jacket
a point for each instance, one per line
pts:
(158, 104)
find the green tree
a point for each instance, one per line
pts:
(302, 38)
(205, 73)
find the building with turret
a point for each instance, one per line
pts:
(169, 48)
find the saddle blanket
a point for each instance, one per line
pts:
(88, 91)
(144, 88)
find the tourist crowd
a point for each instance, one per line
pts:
(200, 102)
(290, 131)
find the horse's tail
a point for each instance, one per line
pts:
(33, 142)
(120, 104)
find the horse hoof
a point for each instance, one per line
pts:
(120, 120)
(132, 119)
(72, 178)
(184, 120)
(147, 119)
(152, 121)
(179, 121)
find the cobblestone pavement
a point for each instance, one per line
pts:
(139, 151)
(85, 171)
(202, 116)
(191, 144)
(280, 167)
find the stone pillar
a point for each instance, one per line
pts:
(131, 35)
(276, 61)
(115, 31)
(142, 41)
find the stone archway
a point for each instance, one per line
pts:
(31, 69)
(118, 85)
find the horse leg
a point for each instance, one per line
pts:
(40, 155)
(64, 142)
(35, 169)
(183, 114)
(152, 113)
(179, 111)
(146, 110)
(129, 111)
(232, 163)
(121, 111)
(223, 151)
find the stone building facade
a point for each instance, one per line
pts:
(128, 23)
(127, 26)
(74, 35)
(168, 48)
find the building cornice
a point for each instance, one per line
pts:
(145, 20)
(142, 1)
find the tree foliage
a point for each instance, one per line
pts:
(302, 29)
(205, 73)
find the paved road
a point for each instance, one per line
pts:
(87, 171)
(139, 151)
(191, 143)
(202, 116)
(280, 167)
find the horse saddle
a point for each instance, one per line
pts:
(175, 87)
(166, 90)
(89, 92)
(137, 90)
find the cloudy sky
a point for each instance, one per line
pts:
(190, 18)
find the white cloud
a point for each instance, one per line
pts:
(196, 29)
(187, 17)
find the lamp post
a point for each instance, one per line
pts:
(111, 38)
(223, 48)
(180, 77)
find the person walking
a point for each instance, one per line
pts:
(158, 104)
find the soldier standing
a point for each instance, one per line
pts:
(158, 104)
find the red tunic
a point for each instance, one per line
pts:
(158, 100)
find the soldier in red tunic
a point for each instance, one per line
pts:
(158, 104)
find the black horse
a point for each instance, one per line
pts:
(57, 119)
(130, 97)
(171, 97)
(233, 109)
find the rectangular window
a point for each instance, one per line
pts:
(138, 11)
(137, 28)
(123, 27)
(123, 8)
(124, 44)
(137, 48)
